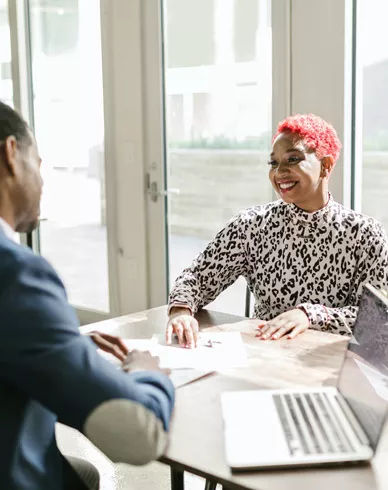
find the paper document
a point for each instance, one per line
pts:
(132, 344)
(215, 351)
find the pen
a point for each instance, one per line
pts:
(210, 343)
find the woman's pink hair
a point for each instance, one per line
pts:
(317, 134)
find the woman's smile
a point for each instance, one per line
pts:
(286, 186)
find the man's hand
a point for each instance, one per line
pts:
(142, 361)
(184, 325)
(292, 323)
(110, 343)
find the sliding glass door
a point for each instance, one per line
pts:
(69, 127)
(218, 99)
(154, 120)
(217, 81)
(58, 86)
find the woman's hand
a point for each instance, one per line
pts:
(184, 325)
(290, 323)
(110, 343)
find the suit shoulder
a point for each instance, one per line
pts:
(15, 258)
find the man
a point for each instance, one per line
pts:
(48, 371)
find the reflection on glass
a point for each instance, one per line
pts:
(218, 103)
(372, 40)
(68, 113)
(6, 90)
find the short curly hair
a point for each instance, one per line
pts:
(318, 135)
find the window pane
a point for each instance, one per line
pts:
(6, 89)
(183, 18)
(218, 123)
(372, 40)
(68, 110)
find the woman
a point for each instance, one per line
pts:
(305, 257)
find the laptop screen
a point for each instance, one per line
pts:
(363, 381)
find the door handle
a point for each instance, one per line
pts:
(154, 193)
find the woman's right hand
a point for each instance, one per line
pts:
(184, 325)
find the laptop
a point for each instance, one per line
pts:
(317, 426)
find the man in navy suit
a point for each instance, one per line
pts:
(48, 371)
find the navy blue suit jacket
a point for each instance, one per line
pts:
(49, 372)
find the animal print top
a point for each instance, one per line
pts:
(317, 261)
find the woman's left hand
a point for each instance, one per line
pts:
(110, 343)
(290, 323)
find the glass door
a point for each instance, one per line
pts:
(78, 79)
(68, 117)
(6, 90)
(218, 111)
(371, 110)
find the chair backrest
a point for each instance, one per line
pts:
(247, 302)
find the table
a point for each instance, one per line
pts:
(196, 437)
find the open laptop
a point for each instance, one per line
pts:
(317, 426)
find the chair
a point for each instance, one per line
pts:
(87, 471)
(247, 302)
(210, 485)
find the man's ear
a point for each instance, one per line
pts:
(11, 154)
(327, 164)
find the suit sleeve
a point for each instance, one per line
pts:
(44, 357)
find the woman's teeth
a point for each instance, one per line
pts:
(287, 186)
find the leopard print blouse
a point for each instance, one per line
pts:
(290, 258)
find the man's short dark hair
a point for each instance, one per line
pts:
(12, 124)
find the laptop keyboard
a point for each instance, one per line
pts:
(310, 424)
